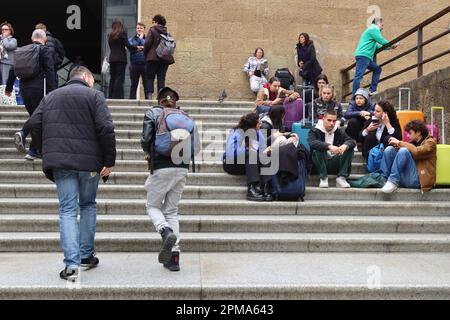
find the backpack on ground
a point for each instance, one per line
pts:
(286, 78)
(166, 47)
(375, 158)
(27, 62)
(174, 130)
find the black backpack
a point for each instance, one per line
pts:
(286, 78)
(27, 61)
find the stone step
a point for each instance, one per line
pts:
(233, 276)
(21, 191)
(20, 164)
(10, 206)
(132, 125)
(251, 224)
(137, 117)
(212, 152)
(138, 178)
(184, 103)
(237, 242)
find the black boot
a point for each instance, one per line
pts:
(267, 192)
(253, 194)
(168, 241)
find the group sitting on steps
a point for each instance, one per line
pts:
(262, 139)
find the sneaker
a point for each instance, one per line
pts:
(69, 274)
(168, 241)
(174, 263)
(342, 183)
(373, 93)
(19, 141)
(389, 187)
(90, 262)
(324, 183)
(31, 156)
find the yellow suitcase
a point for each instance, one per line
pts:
(443, 154)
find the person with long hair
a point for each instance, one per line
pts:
(257, 69)
(244, 147)
(326, 102)
(307, 59)
(383, 126)
(118, 42)
(8, 44)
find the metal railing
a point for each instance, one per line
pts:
(345, 77)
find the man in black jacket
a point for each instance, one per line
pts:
(56, 46)
(74, 130)
(332, 149)
(166, 183)
(34, 89)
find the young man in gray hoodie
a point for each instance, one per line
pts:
(332, 150)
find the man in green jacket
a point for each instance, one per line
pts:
(371, 40)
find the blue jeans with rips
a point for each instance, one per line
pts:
(400, 168)
(77, 190)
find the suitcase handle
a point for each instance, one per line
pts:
(304, 88)
(400, 91)
(442, 109)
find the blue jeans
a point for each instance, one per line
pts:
(399, 167)
(362, 64)
(77, 242)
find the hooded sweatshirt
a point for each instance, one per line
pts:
(319, 139)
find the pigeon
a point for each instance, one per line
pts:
(223, 96)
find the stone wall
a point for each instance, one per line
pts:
(215, 38)
(426, 92)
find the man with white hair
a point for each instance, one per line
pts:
(35, 87)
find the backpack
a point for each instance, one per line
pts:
(175, 127)
(27, 61)
(286, 78)
(166, 47)
(375, 157)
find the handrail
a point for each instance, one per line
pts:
(419, 48)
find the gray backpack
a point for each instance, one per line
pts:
(166, 47)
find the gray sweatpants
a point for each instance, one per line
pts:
(164, 190)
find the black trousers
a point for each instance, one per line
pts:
(116, 83)
(370, 142)
(31, 98)
(354, 128)
(251, 171)
(157, 69)
(138, 71)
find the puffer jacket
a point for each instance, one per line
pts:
(74, 130)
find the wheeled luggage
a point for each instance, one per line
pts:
(294, 112)
(295, 189)
(406, 116)
(443, 153)
(302, 128)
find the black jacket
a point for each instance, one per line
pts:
(317, 142)
(48, 70)
(74, 130)
(386, 136)
(151, 121)
(57, 47)
(152, 42)
(312, 68)
(118, 48)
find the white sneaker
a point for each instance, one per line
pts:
(389, 187)
(323, 183)
(341, 182)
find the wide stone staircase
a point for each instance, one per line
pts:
(337, 244)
